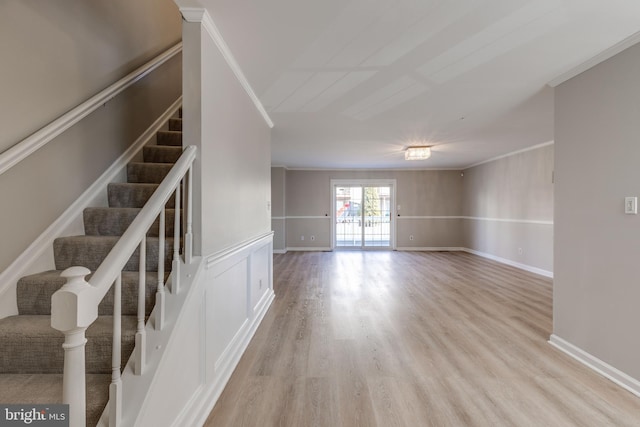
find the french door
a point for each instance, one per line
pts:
(363, 216)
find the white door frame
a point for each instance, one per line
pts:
(367, 183)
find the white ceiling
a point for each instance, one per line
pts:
(350, 84)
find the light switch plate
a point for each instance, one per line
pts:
(631, 205)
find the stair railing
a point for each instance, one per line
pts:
(74, 307)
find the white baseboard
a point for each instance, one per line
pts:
(308, 249)
(279, 251)
(429, 249)
(506, 261)
(67, 223)
(604, 369)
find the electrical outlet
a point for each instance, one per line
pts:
(313, 238)
(520, 251)
(301, 237)
(631, 205)
(411, 237)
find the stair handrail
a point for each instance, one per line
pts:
(23, 149)
(74, 307)
(112, 265)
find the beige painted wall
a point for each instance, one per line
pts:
(597, 248)
(516, 186)
(508, 205)
(61, 53)
(278, 224)
(278, 189)
(233, 170)
(419, 194)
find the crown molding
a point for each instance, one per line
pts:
(202, 16)
(601, 57)
(513, 153)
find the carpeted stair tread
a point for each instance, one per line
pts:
(161, 153)
(150, 173)
(132, 195)
(47, 388)
(90, 251)
(115, 221)
(30, 345)
(34, 293)
(175, 124)
(169, 137)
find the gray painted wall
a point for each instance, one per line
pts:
(62, 53)
(278, 209)
(508, 205)
(233, 171)
(596, 290)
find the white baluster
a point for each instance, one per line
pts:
(175, 267)
(115, 388)
(159, 310)
(188, 237)
(141, 334)
(72, 313)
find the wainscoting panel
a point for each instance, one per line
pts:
(259, 278)
(226, 312)
(237, 288)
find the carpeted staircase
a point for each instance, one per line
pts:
(31, 355)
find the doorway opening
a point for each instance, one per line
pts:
(363, 217)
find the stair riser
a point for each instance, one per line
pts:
(34, 294)
(90, 252)
(175, 125)
(51, 356)
(147, 173)
(161, 154)
(169, 138)
(43, 354)
(113, 222)
(125, 195)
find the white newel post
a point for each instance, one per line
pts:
(72, 311)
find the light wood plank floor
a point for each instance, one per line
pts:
(412, 339)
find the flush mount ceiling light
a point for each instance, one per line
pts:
(417, 153)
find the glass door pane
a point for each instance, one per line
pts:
(363, 216)
(348, 216)
(377, 216)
